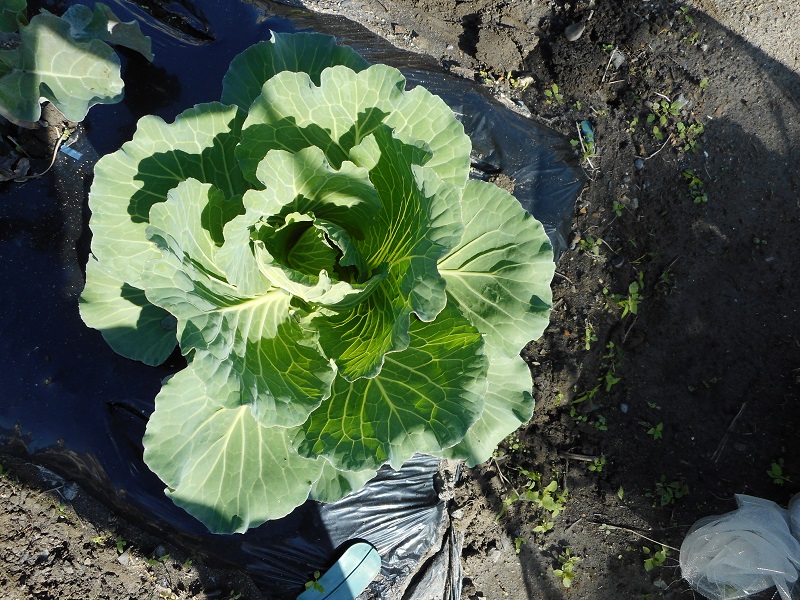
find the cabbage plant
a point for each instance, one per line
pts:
(343, 294)
(66, 60)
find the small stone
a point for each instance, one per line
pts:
(639, 164)
(575, 31)
(618, 261)
(623, 408)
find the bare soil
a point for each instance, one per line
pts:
(655, 403)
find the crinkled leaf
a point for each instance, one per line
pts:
(50, 64)
(421, 115)
(131, 325)
(424, 399)
(500, 273)
(290, 266)
(305, 182)
(127, 183)
(300, 52)
(101, 24)
(291, 113)
(412, 231)
(301, 183)
(219, 463)
(252, 340)
(509, 405)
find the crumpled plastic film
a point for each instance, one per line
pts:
(746, 551)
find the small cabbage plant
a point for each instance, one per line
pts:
(344, 296)
(66, 60)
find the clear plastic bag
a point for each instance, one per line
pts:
(746, 551)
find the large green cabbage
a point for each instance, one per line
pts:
(344, 295)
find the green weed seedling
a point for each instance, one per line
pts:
(120, 543)
(776, 473)
(545, 497)
(553, 95)
(597, 464)
(161, 560)
(566, 571)
(3, 471)
(591, 245)
(666, 282)
(656, 431)
(663, 110)
(611, 379)
(589, 336)
(577, 415)
(654, 558)
(314, 583)
(696, 186)
(600, 423)
(665, 494)
(630, 303)
(519, 542)
(690, 135)
(518, 83)
(588, 395)
(544, 525)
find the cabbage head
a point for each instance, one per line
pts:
(344, 296)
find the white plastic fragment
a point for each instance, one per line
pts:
(746, 551)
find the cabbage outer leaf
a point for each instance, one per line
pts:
(219, 463)
(102, 24)
(509, 405)
(129, 323)
(334, 484)
(309, 53)
(129, 182)
(499, 277)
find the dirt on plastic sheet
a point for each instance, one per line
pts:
(668, 380)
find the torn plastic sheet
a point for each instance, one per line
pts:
(69, 402)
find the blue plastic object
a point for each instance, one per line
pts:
(348, 577)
